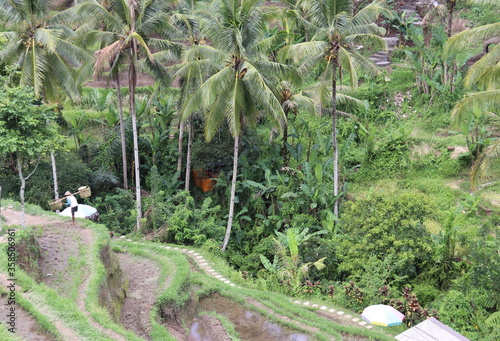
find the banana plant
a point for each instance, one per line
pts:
(287, 263)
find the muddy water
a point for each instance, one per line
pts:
(248, 324)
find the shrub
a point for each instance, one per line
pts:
(383, 225)
(194, 226)
(116, 211)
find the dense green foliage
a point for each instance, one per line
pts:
(409, 229)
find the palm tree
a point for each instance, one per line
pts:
(189, 79)
(240, 87)
(482, 77)
(127, 32)
(42, 50)
(335, 30)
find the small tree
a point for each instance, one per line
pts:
(24, 131)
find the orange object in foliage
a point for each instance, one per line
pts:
(203, 179)
(207, 184)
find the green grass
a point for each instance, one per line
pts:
(42, 320)
(5, 335)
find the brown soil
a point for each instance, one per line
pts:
(60, 244)
(143, 275)
(103, 81)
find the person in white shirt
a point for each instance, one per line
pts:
(71, 201)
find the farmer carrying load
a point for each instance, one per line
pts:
(71, 201)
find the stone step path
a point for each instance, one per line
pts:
(203, 264)
(382, 59)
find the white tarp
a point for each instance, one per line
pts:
(84, 211)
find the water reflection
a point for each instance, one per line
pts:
(248, 324)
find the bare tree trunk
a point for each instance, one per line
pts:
(21, 191)
(54, 175)
(132, 78)
(233, 193)
(122, 132)
(451, 6)
(189, 152)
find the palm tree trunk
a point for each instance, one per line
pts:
(284, 153)
(122, 132)
(132, 78)
(233, 193)
(189, 152)
(179, 147)
(334, 139)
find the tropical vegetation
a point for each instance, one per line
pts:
(312, 170)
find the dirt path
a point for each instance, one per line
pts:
(13, 217)
(143, 275)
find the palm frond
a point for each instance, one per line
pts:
(277, 71)
(141, 42)
(105, 56)
(349, 64)
(204, 52)
(104, 37)
(216, 83)
(484, 164)
(488, 100)
(262, 94)
(63, 74)
(370, 13)
(164, 44)
(47, 38)
(299, 52)
(219, 111)
(305, 103)
(72, 54)
(155, 69)
(485, 72)
(206, 95)
(469, 37)
(84, 73)
(9, 54)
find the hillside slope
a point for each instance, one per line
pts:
(75, 283)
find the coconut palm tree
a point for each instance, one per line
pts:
(335, 31)
(42, 50)
(189, 79)
(483, 78)
(130, 30)
(240, 88)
